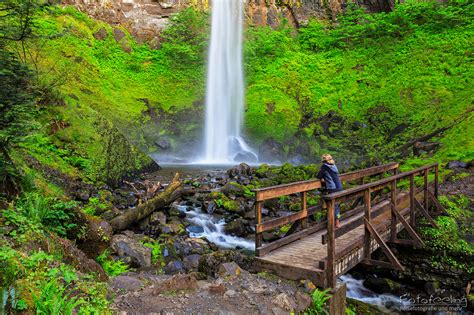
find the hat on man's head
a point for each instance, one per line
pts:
(327, 158)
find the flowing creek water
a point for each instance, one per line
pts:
(212, 228)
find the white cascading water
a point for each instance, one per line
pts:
(225, 88)
(213, 229)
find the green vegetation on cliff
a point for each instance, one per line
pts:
(365, 86)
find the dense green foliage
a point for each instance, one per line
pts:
(77, 103)
(448, 242)
(385, 79)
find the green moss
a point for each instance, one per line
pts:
(231, 205)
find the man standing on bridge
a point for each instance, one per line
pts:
(329, 176)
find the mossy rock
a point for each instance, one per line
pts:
(362, 308)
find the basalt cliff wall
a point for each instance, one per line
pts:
(146, 18)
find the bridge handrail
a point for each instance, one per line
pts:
(365, 191)
(302, 187)
(377, 185)
(262, 194)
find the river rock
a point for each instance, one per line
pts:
(191, 262)
(232, 189)
(189, 246)
(284, 301)
(431, 287)
(126, 283)
(127, 247)
(118, 34)
(236, 227)
(230, 269)
(163, 143)
(456, 164)
(211, 207)
(209, 263)
(230, 293)
(382, 285)
(101, 34)
(195, 229)
(157, 218)
(174, 267)
(241, 170)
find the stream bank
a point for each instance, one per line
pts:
(193, 234)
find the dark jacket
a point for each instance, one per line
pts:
(330, 174)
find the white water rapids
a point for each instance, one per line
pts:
(213, 229)
(225, 88)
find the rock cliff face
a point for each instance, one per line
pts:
(146, 18)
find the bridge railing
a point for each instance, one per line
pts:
(366, 191)
(300, 217)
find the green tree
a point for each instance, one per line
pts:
(16, 97)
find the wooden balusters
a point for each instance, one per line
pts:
(412, 200)
(304, 209)
(258, 217)
(425, 189)
(436, 181)
(331, 246)
(368, 205)
(393, 222)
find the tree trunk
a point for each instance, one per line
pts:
(171, 193)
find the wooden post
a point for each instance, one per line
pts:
(331, 275)
(436, 182)
(304, 221)
(412, 200)
(367, 201)
(258, 217)
(393, 224)
(425, 189)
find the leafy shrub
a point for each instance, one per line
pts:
(55, 215)
(185, 39)
(156, 251)
(54, 298)
(111, 267)
(318, 305)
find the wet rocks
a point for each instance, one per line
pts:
(125, 283)
(232, 189)
(101, 34)
(420, 148)
(191, 262)
(382, 285)
(270, 150)
(118, 34)
(195, 229)
(456, 165)
(240, 171)
(163, 143)
(211, 207)
(209, 263)
(130, 250)
(230, 269)
(174, 267)
(236, 227)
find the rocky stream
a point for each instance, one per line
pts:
(204, 261)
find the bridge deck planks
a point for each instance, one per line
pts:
(305, 254)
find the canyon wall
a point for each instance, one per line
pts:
(146, 18)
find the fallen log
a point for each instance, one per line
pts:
(171, 193)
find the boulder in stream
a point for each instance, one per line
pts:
(130, 249)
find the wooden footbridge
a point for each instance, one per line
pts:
(374, 211)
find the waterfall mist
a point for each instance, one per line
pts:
(225, 87)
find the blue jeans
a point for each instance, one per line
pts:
(337, 209)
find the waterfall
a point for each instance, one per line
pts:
(225, 88)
